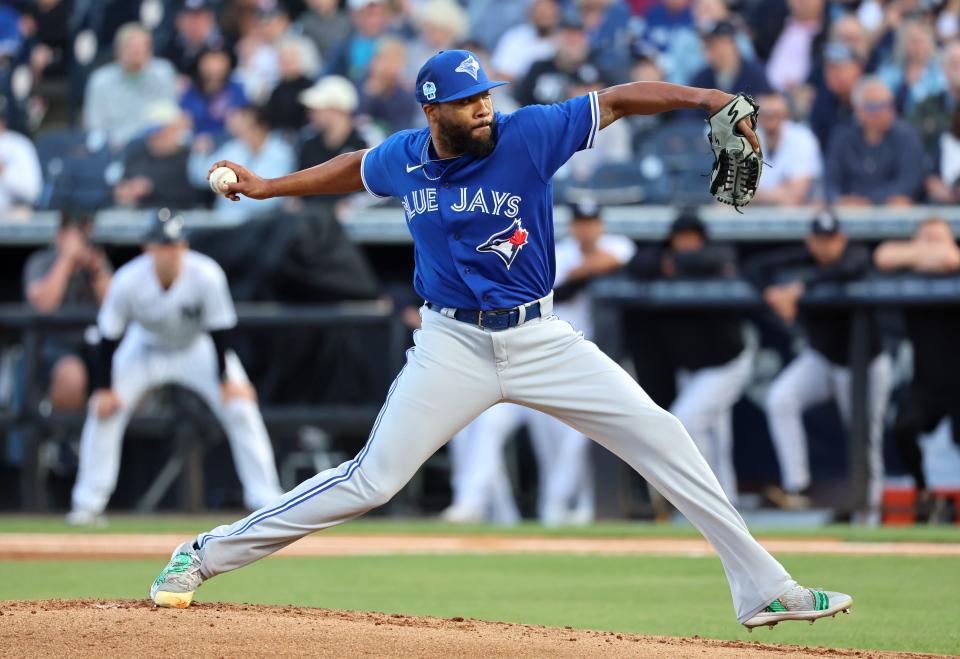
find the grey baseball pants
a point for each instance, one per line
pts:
(455, 372)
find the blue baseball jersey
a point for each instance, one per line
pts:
(483, 227)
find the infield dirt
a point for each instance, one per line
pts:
(75, 628)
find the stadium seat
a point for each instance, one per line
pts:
(74, 167)
(611, 183)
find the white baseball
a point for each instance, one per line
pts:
(220, 177)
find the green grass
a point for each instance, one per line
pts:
(902, 603)
(191, 525)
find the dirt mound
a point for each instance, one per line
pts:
(73, 628)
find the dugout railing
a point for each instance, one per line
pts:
(29, 420)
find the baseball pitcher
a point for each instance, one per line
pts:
(475, 189)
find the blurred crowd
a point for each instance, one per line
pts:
(125, 102)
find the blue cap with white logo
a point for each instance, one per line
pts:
(450, 75)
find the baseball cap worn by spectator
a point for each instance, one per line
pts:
(825, 223)
(330, 92)
(165, 229)
(451, 75)
(719, 29)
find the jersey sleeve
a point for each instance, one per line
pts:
(568, 258)
(621, 247)
(374, 171)
(218, 310)
(114, 315)
(553, 133)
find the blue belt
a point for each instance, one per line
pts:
(499, 319)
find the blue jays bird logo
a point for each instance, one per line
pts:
(470, 66)
(507, 243)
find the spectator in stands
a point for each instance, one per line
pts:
(726, 68)
(943, 181)
(259, 66)
(685, 55)
(718, 370)
(820, 371)
(878, 159)
(833, 104)
(548, 80)
(20, 177)
(663, 23)
(440, 25)
(213, 94)
(527, 42)
(914, 73)
(791, 152)
(384, 97)
(252, 143)
(72, 273)
(330, 104)
(299, 63)
(490, 19)
(119, 93)
(52, 37)
(324, 23)
(791, 59)
(607, 25)
(370, 22)
(196, 32)
(155, 167)
(932, 330)
(933, 116)
(848, 30)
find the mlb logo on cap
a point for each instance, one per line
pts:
(451, 75)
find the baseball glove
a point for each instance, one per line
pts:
(736, 166)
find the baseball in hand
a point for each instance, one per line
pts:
(220, 177)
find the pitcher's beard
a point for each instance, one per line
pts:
(460, 139)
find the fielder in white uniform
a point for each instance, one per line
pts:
(476, 193)
(172, 308)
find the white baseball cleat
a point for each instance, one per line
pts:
(801, 603)
(178, 581)
(458, 513)
(86, 518)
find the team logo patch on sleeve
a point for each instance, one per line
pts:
(507, 243)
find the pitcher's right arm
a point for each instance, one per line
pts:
(339, 175)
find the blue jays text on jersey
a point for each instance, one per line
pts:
(483, 227)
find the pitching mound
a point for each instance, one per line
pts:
(71, 628)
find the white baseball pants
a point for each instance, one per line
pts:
(137, 368)
(703, 405)
(810, 379)
(478, 474)
(479, 478)
(455, 372)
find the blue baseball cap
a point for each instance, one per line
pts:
(450, 75)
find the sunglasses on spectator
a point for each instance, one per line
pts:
(877, 106)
